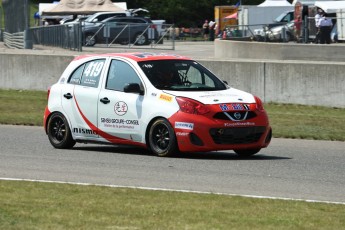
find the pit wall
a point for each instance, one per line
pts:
(231, 49)
(296, 82)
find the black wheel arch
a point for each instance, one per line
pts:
(147, 133)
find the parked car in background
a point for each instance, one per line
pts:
(282, 19)
(280, 33)
(123, 30)
(161, 27)
(163, 102)
(98, 17)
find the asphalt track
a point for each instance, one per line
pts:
(296, 169)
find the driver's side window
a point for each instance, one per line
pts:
(195, 76)
(119, 75)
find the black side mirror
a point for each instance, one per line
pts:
(133, 88)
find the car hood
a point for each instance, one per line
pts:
(215, 97)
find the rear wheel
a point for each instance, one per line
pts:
(90, 40)
(246, 152)
(141, 39)
(162, 139)
(59, 133)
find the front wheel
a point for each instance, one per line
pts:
(246, 152)
(162, 139)
(59, 133)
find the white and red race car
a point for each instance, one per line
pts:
(166, 103)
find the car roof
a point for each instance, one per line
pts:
(128, 17)
(138, 57)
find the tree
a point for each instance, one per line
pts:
(184, 13)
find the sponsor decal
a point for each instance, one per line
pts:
(181, 134)
(237, 106)
(213, 94)
(165, 97)
(120, 123)
(227, 107)
(146, 55)
(239, 124)
(120, 108)
(184, 125)
(84, 131)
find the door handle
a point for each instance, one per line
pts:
(68, 95)
(105, 100)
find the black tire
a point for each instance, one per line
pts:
(289, 37)
(140, 39)
(162, 139)
(246, 152)
(90, 40)
(59, 133)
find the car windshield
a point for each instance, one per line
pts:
(181, 75)
(89, 19)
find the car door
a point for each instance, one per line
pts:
(119, 30)
(81, 104)
(120, 113)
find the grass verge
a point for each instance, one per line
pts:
(21, 107)
(32, 205)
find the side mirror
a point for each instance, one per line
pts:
(133, 88)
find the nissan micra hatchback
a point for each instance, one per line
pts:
(166, 103)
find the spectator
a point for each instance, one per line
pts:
(205, 30)
(325, 26)
(212, 30)
(317, 20)
(297, 25)
(177, 33)
(37, 18)
(182, 33)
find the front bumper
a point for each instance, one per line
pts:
(207, 134)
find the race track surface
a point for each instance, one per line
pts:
(298, 169)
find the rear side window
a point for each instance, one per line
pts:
(88, 74)
(105, 16)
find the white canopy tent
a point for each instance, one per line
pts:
(330, 6)
(68, 7)
(275, 3)
(308, 2)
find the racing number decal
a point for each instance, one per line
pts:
(93, 69)
(92, 73)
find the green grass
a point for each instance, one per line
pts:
(32, 205)
(23, 107)
(307, 122)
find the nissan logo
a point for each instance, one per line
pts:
(237, 115)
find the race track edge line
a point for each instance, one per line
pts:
(173, 190)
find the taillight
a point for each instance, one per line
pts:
(153, 26)
(259, 105)
(191, 106)
(48, 93)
